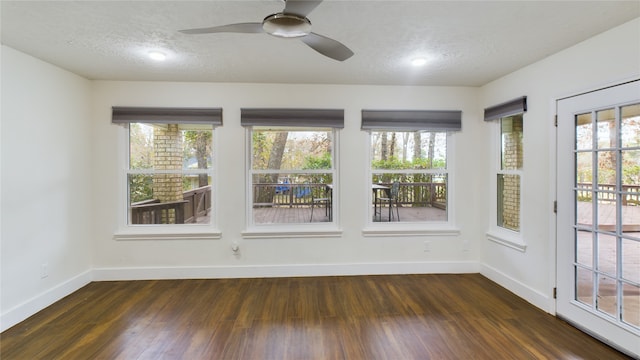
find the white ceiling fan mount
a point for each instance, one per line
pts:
(286, 25)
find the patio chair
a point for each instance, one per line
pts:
(392, 200)
(283, 186)
(322, 201)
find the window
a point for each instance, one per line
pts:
(510, 173)
(416, 162)
(292, 165)
(409, 169)
(510, 161)
(169, 173)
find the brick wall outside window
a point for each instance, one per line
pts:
(509, 184)
(168, 156)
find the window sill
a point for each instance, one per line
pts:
(284, 234)
(509, 239)
(170, 234)
(409, 230)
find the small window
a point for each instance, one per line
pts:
(508, 166)
(510, 173)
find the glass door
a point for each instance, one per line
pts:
(598, 229)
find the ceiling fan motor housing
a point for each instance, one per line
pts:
(286, 25)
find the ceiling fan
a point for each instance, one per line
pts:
(292, 22)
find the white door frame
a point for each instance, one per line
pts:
(608, 332)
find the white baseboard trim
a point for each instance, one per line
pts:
(259, 271)
(533, 296)
(28, 308)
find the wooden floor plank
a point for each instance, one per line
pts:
(351, 317)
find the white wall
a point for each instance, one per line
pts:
(46, 182)
(349, 253)
(606, 59)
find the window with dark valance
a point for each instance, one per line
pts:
(508, 108)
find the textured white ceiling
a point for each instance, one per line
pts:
(468, 43)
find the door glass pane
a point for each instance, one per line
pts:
(584, 211)
(607, 254)
(584, 169)
(607, 168)
(584, 286)
(631, 304)
(607, 294)
(630, 126)
(584, 132)
(606, 123)
(606, 209)
(631, 170)
(631, 260)
(631, 221)
(584, 248)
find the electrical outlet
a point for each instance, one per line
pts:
(427, 246)
(44, 270)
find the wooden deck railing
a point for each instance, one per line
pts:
(199, 203)
(158, 212)
(410, 194)
(195, 203)
(607, 193)
(268, 195)
(422, 194)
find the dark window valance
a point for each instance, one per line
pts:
(159, 115)
(512, 107)
(412, 120)
(333, 118)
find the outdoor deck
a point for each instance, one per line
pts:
(607, 216)
(300, 214)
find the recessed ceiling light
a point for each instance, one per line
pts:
(418, 61)
(156, 55)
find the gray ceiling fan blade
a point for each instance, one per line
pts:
(300, 7)
(247, 28)
(327, 47)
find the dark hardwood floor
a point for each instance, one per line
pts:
(351, 317)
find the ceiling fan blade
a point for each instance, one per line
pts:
(301, 8)
(247, 28)
(327, 47)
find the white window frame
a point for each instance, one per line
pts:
(127, 231)
(498, 234)
(292, 230)
(422, 228)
